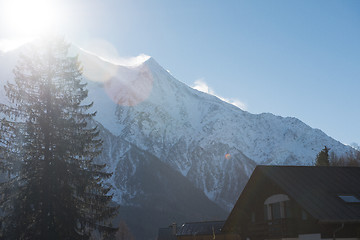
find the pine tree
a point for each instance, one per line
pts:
(322, 158)
(58, 191)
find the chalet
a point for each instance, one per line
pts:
(200, 230)
(298, 202)
(209, 230)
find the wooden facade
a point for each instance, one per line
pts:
(209, 230)
(289, 202)
(270, 206)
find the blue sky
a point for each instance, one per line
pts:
(290, 58)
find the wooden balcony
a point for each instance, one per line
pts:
(279, 228)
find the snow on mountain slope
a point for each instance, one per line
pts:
(193, 131)
(149, 189)
(212, 143)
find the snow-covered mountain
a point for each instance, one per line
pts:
(151, 119)
(212, 143)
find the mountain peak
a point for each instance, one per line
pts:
(116, 60)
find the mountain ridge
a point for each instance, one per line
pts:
(149, 118)
(179, 125)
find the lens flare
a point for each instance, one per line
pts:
(93, 58)
(96, 69)
(131, 86)
(127, 82)
(227, 156)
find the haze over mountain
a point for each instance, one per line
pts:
(172, 149)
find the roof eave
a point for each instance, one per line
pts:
(338, 221)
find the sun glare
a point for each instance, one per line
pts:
(29, 18)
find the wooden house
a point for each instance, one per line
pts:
(298, 202)
(210, 230)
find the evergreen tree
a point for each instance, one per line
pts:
(322, 158)
(349, 159)
(58, 191)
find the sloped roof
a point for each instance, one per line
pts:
(315, 189)
(200, 228)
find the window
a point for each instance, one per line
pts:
(287, 208)
(349, 198)
(304, 215)
(275, 211)
(276, 207)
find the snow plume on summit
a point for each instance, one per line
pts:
(202, 86)
(101, 68)
(126, 81)
(131, 61)
(107, 52)
(121, 61)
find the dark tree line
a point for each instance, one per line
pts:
(53, 188)
(350, 159)
(327, 158)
